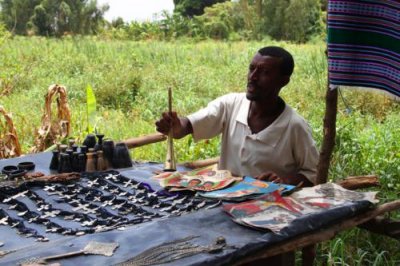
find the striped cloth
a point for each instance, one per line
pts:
(364, 44)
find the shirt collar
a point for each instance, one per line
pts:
(243, 112)
(273, 133)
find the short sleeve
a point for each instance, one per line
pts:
(210, 121)
(306, 153)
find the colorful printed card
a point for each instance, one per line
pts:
(275, 218)
(245, 189)
(205, 179)
(330, 195)
(270, 211)
(247, 208)
(274, 212)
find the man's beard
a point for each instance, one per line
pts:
(253, 94)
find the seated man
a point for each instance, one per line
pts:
(262, 136)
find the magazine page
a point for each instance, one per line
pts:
(205, 179)
(329, 195)
(249, 187)
(247, 208)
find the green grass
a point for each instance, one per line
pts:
(130, 80)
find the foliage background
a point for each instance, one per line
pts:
(130, 80)
(131, 65)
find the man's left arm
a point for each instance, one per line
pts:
(297, 179)
(306, 155)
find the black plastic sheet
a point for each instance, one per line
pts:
(208, 224)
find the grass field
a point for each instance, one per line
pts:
(130, 81)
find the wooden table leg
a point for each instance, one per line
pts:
(308, 255)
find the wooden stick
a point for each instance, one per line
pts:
(356, 182)
(144, 140)
(201, 163)
(170, 100)
(321, 235)
(383, 226)
(170, 163)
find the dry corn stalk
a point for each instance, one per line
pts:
(9, 144)
(52, 130)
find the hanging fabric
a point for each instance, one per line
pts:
(364, 44)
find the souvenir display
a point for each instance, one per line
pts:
(92, 156)
(247, 208)
(275, 212)
(329, 195)
(90, 141)
(206, 179)
(274, 218)
(100, 201)
(8, 169)
(5, 252)
(248, 188)
(121, 156)
(28, 166)
(54, 160)
(99, 144)
(174, 250)
(92, 248)
(108, 150)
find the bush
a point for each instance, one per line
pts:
(4, 34)
(119, 87)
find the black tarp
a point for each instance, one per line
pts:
(134, 239)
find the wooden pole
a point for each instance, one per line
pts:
(144, 140)
(328, 142)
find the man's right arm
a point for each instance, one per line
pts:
(181, 126)
(206, 123)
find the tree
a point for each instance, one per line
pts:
(302, 20)
(52, 17)
(190, 8)
(41, 21)
(118, 23)
(15, 14)
(292, 20)
(221, 20)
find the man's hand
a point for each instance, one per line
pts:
(180, 126)
(271, 177)
(296, 180)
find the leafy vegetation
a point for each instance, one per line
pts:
(295, 20)
(130, 81)
(52, 17)
(190, 8)
(129, 66)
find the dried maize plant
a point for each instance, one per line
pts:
(9, 144)
(53, 130)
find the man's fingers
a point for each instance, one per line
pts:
(168, 120)
(162, 129)
(174, 115)
(270, 177)
(275, 179)
(264, 176)
(164, 124)
(166, 117)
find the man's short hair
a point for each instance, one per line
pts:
(287, 63)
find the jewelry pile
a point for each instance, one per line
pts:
(98, 202)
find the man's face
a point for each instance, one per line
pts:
(264, 79)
